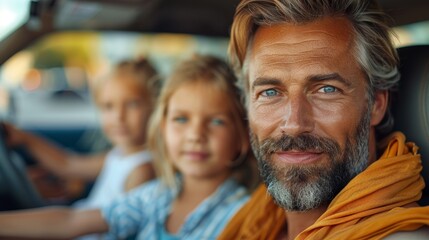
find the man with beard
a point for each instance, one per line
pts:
(317, 76)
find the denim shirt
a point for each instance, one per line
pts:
(143, 212)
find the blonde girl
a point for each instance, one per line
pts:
(125, 100)
(199, 138)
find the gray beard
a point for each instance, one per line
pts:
(302, 188)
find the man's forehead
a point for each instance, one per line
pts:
(320, 43)
(327, 32)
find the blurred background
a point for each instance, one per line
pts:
(52, 50)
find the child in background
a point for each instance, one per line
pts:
(199, 137)
(125, 101)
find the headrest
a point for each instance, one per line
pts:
(410, 104)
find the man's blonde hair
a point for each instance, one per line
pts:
(374, 50)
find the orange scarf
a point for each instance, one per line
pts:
(369, 207)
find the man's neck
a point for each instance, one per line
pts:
(299, 221)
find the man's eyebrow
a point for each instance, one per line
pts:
(331, 76)
(261, 81)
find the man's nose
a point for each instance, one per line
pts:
(298, 115)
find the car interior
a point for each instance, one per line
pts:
(212, 19)
(410, 103)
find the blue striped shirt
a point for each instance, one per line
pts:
(143, 212)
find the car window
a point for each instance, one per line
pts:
(412, 34)
(46, 87)
(14, 14)
(72, 60)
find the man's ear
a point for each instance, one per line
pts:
(379, 107)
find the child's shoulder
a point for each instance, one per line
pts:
(154, 186)
(151, 184)
(233, 191)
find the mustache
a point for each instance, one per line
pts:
(302, 142)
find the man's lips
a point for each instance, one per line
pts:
(294, 157)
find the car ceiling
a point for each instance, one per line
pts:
(202, 17)
(206, 17)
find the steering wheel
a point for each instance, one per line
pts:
(14, 181)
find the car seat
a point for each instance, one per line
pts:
(410, 104)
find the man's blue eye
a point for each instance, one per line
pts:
(269, 93)
(328, 89)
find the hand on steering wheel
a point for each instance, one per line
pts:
(14, 177)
